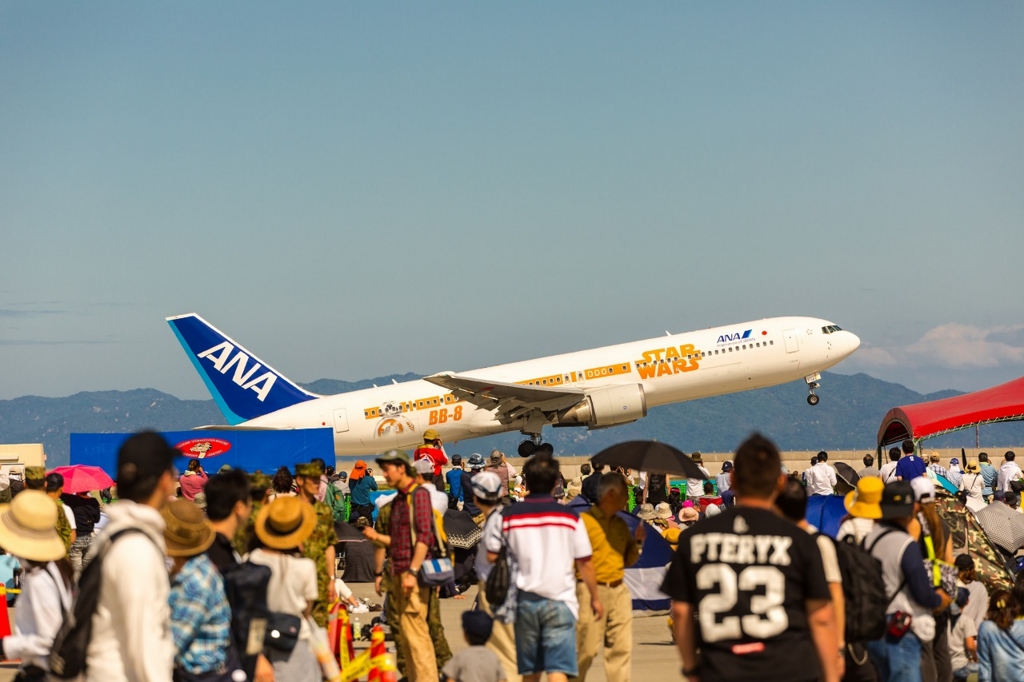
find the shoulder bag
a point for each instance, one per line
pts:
(435, 571)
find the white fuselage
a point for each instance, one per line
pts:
(670, 368)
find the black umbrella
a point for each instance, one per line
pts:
(847, 478)
(650, 456)
(461, 529)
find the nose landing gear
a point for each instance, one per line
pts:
(813, 383)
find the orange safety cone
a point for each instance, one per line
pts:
(388, 671)
(378, 654)
(5, 616)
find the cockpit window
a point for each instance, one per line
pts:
(831, 328)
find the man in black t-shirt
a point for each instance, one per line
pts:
(748, 588)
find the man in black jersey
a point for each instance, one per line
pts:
(750, 599)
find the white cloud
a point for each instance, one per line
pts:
(952, 346)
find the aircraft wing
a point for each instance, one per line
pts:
(241, 427)
(507, 398)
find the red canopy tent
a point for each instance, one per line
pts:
(925, 420)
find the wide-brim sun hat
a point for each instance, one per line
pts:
(863, 502)
(187, 533)
(663, 511)
(688, 515)
(285, 523)
(646, 512)
(28, 527)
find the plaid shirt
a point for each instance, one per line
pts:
(200, 617)
(401, 536)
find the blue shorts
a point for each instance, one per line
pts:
(545, 636)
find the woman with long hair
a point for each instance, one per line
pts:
(281, 528)
(28, 530)
(1001, 636)
(936, 541)
(282, 483)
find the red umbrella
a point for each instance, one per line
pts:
(81, 478)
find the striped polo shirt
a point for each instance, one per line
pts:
(547, 539)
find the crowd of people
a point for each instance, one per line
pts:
(231, 576)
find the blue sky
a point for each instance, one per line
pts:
(356, 189)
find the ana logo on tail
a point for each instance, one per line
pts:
(221, 357)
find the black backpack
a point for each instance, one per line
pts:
(67, 658)
(246, 588)
(863, 590)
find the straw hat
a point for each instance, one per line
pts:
(187, 533)
(285, 523)
(646, 512)
(28, 527)
(863, 502)
(663, 511)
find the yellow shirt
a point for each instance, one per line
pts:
(614, 547)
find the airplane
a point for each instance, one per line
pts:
(593, 389)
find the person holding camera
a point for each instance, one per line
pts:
(909, 619)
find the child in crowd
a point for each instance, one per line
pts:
(477, 663)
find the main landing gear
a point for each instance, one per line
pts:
(813, 383)
(533, 446)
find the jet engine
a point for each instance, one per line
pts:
(606, 406)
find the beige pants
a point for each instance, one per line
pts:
(419, 648)
(503, 638)
(614, 632)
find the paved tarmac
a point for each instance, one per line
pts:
(653, 652)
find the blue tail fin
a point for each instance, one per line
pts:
(243, 386)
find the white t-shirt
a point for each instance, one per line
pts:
(292, 583)
(71, 516)
(977, 606)
(958, 634)
(972, 484)
(695, 486)
(492, 526)
(829, 561)
(546, 539)
(1009, 471)
(888, 472)
(857, 527)
(821, 478)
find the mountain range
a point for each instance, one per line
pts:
(851, 409)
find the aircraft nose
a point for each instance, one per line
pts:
(852, 342)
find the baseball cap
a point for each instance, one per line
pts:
(964, 562)
(495, 457)
(477, 625)
(486, 486)
(924, 489)
(423, 466)
(430, 434)
(898, 500)
(392, 456)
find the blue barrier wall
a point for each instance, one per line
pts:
(250, 450)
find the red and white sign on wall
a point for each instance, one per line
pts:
(202, 448)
